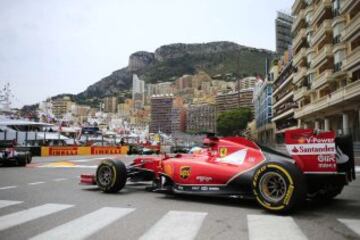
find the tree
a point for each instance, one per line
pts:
(233, 122)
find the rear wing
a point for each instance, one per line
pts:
(321, 152)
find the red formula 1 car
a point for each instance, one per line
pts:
(318, 166)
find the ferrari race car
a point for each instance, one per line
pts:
(318, 167)
(11, 155)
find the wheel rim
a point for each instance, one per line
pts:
(105, 175)
(273, 187)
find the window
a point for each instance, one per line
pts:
(336, 7)
(337, 32)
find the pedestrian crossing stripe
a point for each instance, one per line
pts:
(27, 215)
(176, 225)
(183, 225)
(85, 226)
(6, 203)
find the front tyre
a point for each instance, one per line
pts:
(111, 176)
(279, 187)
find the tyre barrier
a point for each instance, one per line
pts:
(71, 151)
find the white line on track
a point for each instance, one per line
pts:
(59, 179)
(6, 203)
(353, 224)
(86, 160)
(85, 226)
(265, 227)
(30, 214)
(7, 187)
(35, 183)
(176, 225)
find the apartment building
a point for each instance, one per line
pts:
(284, 104)
(161, 114)
(61, 106)
(234, 100)
(262, 100)
(201, 118)
(326, 49)
(283, 23)
(110, 104)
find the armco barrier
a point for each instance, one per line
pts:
(69, 151)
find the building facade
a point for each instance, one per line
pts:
(61, 106)
(161, 114)
(138, 92)
(110, 104)
(201, 118)
(283, 24)
(327, 59)
(284, 104)
(234, 100)
(263, 109)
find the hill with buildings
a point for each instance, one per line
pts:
(221, 60)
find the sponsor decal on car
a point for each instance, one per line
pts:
(205, 179)
(185, 172)
(311, 149)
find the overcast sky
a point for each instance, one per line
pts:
(48, 47)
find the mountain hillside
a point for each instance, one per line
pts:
(172, 61)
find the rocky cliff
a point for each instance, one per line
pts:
(172, 61)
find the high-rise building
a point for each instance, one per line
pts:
(327, 59)
(245, 83)
(283, 24)
(110, 104)
(201, 118)
(138, 92)
(263, 108)
(61, 106)
(161, 114)
(284, 105)
(234, 100)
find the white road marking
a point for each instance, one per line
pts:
(357, 169)
(30, 214)
(84, 227)
(75, 166)
(87, 160)
(7, 187)
(353, 224)
(35, 183)
(176, 225)
(265, 227)
(59, 179)
(6, 203)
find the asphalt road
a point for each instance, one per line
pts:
(45, 201)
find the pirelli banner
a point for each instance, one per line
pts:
(95, 150)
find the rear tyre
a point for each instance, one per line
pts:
(21, 160)
(279, 187)
(111, 176)
(28, 157)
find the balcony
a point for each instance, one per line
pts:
(320, 34)
(299, 56)
(352, 60)
(323, 78)
(346, 5)
(339, 96)
(300, 74)
(300, 36)
(300, 93)
(321, 10)
(298, 19)
(297, 4)
(323, 54)
(352, 28)
(283, 97)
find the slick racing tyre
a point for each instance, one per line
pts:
(279, 187)
(111, 176)
(28, 157)
(21, 160)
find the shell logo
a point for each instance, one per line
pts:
(301, 140)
